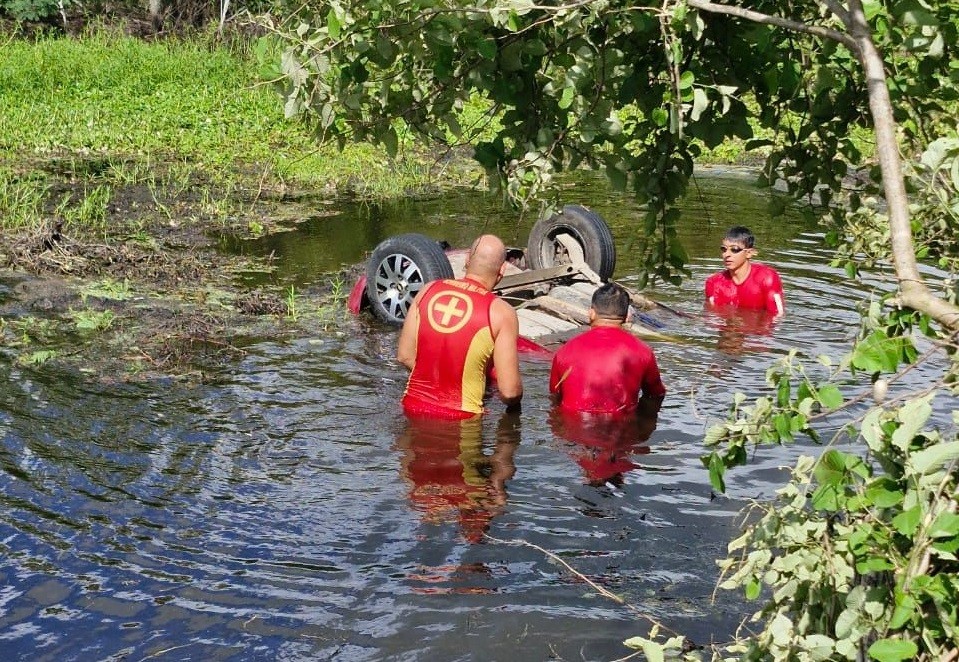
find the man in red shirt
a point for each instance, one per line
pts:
(604, 369)
(455, 327)
(744, 284)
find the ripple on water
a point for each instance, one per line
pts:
(288, 510)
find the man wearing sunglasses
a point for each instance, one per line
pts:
(743, 283)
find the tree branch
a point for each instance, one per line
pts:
(766, 19)
(915, 293)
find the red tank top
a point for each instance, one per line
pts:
(454, 343)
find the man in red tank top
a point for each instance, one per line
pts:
(604, 369)
(452, 332)
(743, 283)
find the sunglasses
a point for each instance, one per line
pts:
(735, 250)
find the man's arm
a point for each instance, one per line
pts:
(505, 326)
(710, 290)
(774, 294)
(777, 300)
(652, 381)
(406, 345)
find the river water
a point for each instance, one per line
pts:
(287, 510)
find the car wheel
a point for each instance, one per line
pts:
(399, 268)
(586, 227)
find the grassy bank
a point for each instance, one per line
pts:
(119, 159)
(188, 102)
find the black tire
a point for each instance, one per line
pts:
(399, 268)
(587, 227)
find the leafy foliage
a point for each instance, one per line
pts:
(857, 556)
(33, 10)
(632, 90)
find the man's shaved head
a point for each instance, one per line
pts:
(486, 257)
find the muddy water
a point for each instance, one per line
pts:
(286, 510)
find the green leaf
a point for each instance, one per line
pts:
(617, 178)
(700, 103)
(783, 391)
(913, 415)
(487, 48)
(826, 497)
(716, 470)
(871, 429)
(893, 650)
(391, 142)
(783, 427)
(333, 25)
(905, 608)
(566, 99)
(944, 526)
(918, 16)
(521, 6)
(819, 646)
(874, 564)
(753, 588)
(878, 353)
(831, 468)
(686, 80)
(488, 154)
(907, 521)
(871, 8)
(654, 652)
(714, 435)
(830, 396)
(756, 143)
(933, 458)
(781, 629)
(882, 497)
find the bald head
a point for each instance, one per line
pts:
(486, 258)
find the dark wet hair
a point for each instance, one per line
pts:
(741, 235)
(611, 301)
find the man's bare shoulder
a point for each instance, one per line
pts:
(500, 307)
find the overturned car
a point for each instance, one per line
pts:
(550, 282)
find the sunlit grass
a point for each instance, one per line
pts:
(21, 201)
(134, 105)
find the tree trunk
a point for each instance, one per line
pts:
(914, 292)
(155, 9)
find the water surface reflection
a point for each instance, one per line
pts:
(286, 508)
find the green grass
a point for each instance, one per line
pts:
(21, 200)
(187, 100)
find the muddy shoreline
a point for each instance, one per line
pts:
(148, 294)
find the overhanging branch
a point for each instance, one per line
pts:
(914, 292)
(766, 19)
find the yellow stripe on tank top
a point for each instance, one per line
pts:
(481, 348)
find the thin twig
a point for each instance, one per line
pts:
(599, 589)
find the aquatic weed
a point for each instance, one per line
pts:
(92, 321)
(291, 297)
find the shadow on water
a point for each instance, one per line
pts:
(287, 509)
